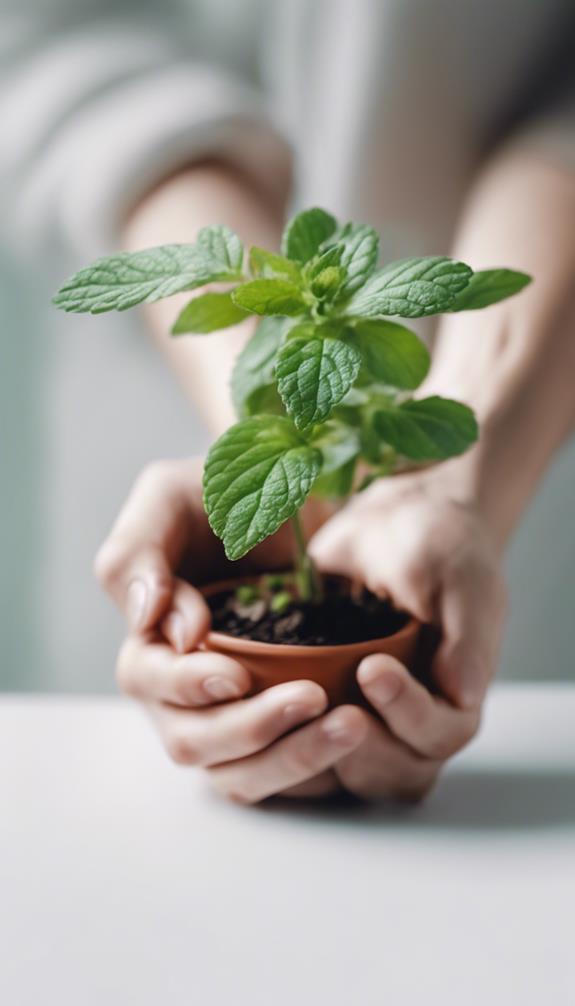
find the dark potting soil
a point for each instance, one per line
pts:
(340, 619)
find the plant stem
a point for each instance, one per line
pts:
(307, 577)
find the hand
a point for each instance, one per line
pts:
(242, 743)
(162, 532)
(409, 539)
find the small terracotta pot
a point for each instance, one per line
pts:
(333, 667)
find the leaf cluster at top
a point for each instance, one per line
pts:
(323, 389)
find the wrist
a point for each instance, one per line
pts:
(466, 481)
(470, 480)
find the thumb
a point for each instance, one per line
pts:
(331, 548)
(372, 551)
(136, 562)
(138, 578)
(471, 614)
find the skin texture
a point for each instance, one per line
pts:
(433, 540)
(198, 700)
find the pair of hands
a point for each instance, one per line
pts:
(407, 538)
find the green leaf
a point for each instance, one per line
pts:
(270, 296)
(327, 282)
(264, 400)
(489, 287)
(428, 429)
(323, 260)
(336, 484)
(360, 250)
(391, 353)
(268, 265)
(121, 281)
(254, 367)
(208, 313)
(257, 475)
(222, 246)
(313, 375)
(374, 449)
(411, 288)
(305, 233)
(338, 443)
(372, 442)
(355, 396)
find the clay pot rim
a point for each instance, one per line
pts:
(240, 644)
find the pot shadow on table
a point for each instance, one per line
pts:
(471, 800)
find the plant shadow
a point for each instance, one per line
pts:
(471, 800)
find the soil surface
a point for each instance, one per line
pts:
(340, 619)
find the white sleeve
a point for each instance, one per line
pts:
(95, 110)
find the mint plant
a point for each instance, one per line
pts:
(323, 389)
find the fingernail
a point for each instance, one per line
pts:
(384, 688)
(337, 729)
(137, 603)
(222, 688)
(176, 631)
(300, 704)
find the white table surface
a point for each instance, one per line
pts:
(123, 881)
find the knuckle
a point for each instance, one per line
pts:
(301, 760)
(441, 748)
(263, 727)
(181, 748)
(241, 797)
(109, 563)
(416, 570)
(470, 729)
(184, 688)
(257, 735)
(413, 584)
(127, 676)
(233, 790)
(418, 719)
(361, 777)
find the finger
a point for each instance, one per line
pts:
(319, 785)
(332, 547)
(239, 729)
(139, 580)
(374, 552)
(136, 561)
(471, 613)
(429, 725)
(292, 761)
(187, 621)
(151, 671)
(382, 767)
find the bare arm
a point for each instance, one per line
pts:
(410, 536)
(205, 194)
(515, 363)
(434, 539)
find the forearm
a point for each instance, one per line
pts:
(515, 362)
(205, 194)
